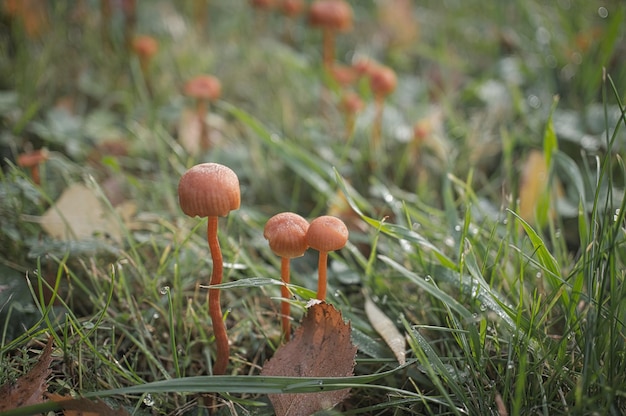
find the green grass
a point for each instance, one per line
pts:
(502, 314)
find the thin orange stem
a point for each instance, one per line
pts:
(321, 282)
(215, 310)
(328, 53)
(284, 292)
(378, 124)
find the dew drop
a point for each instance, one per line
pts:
(164, 290)
(510, 365)
(603, 12)
(428, 278)
(148, 400)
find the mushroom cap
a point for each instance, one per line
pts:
(327, 233)
(292, 8)
(351, 102)
(331, 14)
(383, 80)
(205, 87)
(145, 46)
(209, 190)
(286, 234)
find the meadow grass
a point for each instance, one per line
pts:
(503, 313)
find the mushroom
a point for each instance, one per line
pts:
(383, 81)
(204, 88)
(331, 16)
(32, 160)
(145, 47)
(325, 233)
(351, 103)
(212, 190)
(286, 235)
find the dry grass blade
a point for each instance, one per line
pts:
(386, 329)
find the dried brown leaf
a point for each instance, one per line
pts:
(85, 407)
(28, 389)
(321, 347)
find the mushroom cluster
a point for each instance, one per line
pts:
(212, 190)
(289, 235)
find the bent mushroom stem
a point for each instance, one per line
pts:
(215, 310)
(285, 307)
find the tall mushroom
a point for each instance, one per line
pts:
(212, 190)
(325, 233)
(204, 88)
(331, 16)
(286, 235)
(145, 47)
(383, 81)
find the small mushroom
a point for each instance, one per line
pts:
(212, 190)
(383, 81)
(32, 161)
(145, 47)
(351, 103)
(286, 235)
(331, 16)
(326, 233)
(204, 88)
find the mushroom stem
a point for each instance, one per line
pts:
(321, 282)
(328, 54)
(284, 293)
(215, 310)
(377, 128)
(201, 111)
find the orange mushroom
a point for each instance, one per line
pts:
(286, 235)
(351, 103)
(145, 47)
(326, 233)
(212, 190)
(204, 88)
(383, 81)
(331, 16)
(31, 161)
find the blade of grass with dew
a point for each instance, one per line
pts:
(394, 230)
(313, 170)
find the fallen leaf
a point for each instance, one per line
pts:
(387, 330)
(533, 184)
(84, 407)
(80, 214)
(28, 389)
(321, 347)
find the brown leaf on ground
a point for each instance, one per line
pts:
(85, 407)
(28, 389)
(321, 347)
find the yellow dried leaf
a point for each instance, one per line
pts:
(80, 214)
